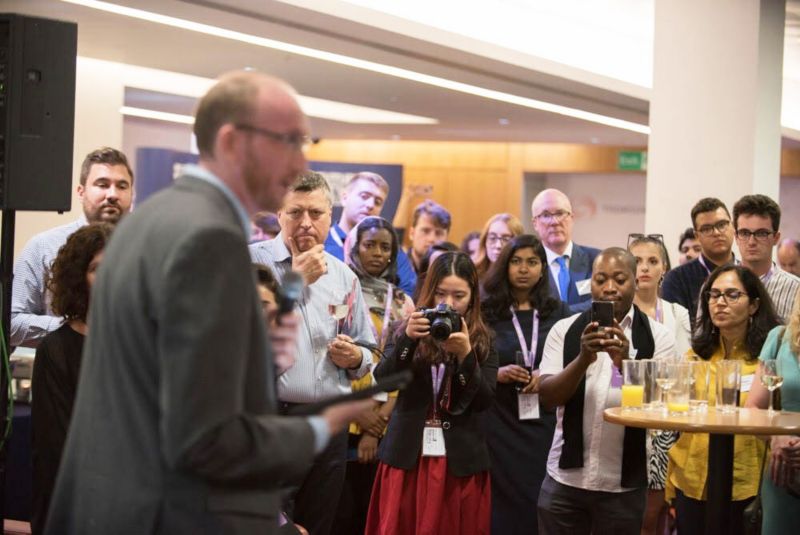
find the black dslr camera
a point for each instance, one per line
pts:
(444, 321)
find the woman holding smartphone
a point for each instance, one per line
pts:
(433, 474)
(519, 309)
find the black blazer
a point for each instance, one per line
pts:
(472, 391)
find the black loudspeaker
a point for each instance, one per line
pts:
(37, 112)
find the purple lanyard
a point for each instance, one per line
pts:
(526, 353)
(659, 311)
(437, 376)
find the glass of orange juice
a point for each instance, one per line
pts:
(678, 394)
(632, 384)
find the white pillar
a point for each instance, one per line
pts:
(715, 107)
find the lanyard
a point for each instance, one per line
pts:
(659, 311)
(336, 237)
(526, 353)
(437, 375)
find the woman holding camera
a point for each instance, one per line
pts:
(735, 317)
(433, 475)
(519, 309)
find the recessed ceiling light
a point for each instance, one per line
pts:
(503, 121)
(340, 59)
(196, 86)
(130, 111)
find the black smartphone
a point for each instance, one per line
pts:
(397, 381)
(603, 313)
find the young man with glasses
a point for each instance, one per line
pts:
(570, 264)
(757, 219)
(712, 225)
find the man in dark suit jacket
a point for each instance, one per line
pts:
(570, 264)
(175, 427)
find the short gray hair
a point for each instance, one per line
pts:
(311, 181)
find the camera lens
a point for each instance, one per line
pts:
(441, 328)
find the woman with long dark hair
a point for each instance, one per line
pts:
(433, 475)
(736, 315)
(58, 359)
(518, 307)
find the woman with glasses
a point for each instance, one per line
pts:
(497, 232)
(736, 315)
(652, 263)
(780, 482)
(520, 310)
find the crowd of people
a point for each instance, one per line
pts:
(164, 390)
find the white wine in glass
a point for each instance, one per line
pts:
(771, 378)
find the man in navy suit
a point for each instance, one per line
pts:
(570, 264)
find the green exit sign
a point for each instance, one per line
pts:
(632, 160)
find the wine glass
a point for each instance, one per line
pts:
(665, 378)
(771, 378)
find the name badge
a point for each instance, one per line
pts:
(584, 287)
(433, 440)
(747, 382)
(528, 405)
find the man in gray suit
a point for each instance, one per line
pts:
(570, 264)
(175, 427)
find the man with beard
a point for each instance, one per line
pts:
(175, 426)
(106, 192)
(332, 314)
(570, 264)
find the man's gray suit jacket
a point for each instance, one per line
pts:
(175, 427)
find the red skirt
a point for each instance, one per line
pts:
(428, 501)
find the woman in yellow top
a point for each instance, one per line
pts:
(736, 315)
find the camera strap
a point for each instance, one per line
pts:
(527, 354)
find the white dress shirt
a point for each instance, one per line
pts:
(602, 441)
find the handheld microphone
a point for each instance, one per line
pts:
(289, 294)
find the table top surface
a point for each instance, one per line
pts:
(741, 422)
